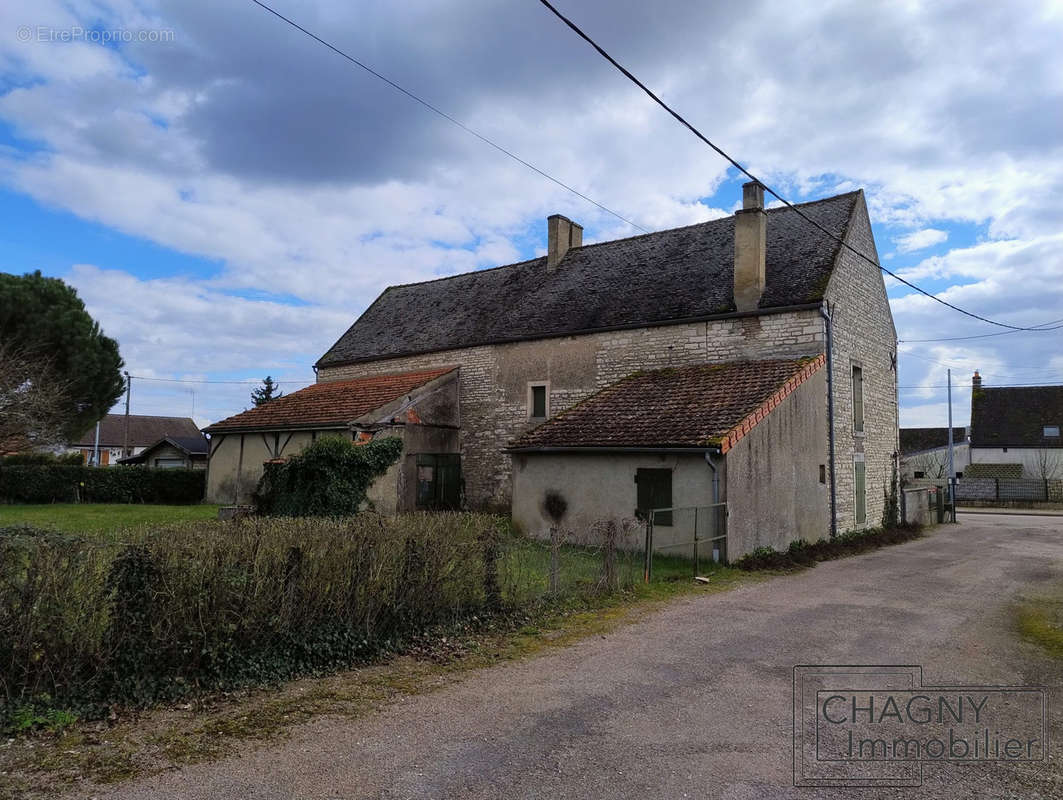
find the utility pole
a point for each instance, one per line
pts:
(952, 463)
(128, 389)
(96, 447)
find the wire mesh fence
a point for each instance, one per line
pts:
(696, 534)
(1031, 490)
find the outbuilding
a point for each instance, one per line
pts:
(419, 407)
(731, 450)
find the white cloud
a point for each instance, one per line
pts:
(244, 142)
(920, 240)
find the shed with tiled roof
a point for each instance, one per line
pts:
(686, 441)
(421, 407)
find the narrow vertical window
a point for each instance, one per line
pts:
(858, 399)
(537, 401)
(860, 483)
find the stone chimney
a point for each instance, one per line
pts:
(751, 236)
(562, 234)
(976, 381)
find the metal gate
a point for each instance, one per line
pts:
(694, 532)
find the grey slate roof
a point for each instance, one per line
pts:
(918, 440)
(644, 280)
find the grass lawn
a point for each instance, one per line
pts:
(102, 517)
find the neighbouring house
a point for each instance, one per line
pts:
(532, 339)
(144, 431)
(1016, 431)
(421, 408)
(173, 452)
(925, 453)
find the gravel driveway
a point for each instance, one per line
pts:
(694, 700)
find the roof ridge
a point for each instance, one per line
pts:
(616, 241)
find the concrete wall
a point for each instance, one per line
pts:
(602, 487)
(1036, 462)
(916, 505)
(935, 463)
(864, 335)
(494, 379)
(773, 489)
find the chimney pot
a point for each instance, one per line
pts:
(562, 234)
(976, 381)
(752, 195)
(751, 238)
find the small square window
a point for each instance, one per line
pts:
(1051, 431)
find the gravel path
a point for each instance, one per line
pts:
(694, 700)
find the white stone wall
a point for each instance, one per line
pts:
(863, 333)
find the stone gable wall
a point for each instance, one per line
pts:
(863, 332)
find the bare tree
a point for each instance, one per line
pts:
(1049, 463)
(934, 464)
(33, 409)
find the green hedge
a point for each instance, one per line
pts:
(51, 483)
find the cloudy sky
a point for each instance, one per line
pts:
(228, 195)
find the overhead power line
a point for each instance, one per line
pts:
(444, 114)
(188, 380)
(986, 386)
(679, 118)
(1035, 329)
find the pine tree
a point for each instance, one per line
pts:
(268, 391)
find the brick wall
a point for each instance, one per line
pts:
(863, 333)
(494, 378)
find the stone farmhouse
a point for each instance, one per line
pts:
(760, 341)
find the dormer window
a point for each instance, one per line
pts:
(1051, 432)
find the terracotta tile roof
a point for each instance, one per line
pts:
(144, 430)
(332, 403)
(699, 406)
(651, 279)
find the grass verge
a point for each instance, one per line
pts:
(81, 754)
(1040, 621)
(101, 517)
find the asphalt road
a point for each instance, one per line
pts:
(696, 699)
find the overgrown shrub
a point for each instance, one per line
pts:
(329, 478)
(176, 610)
(804, 554)
(58, 483)
(23, 459)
